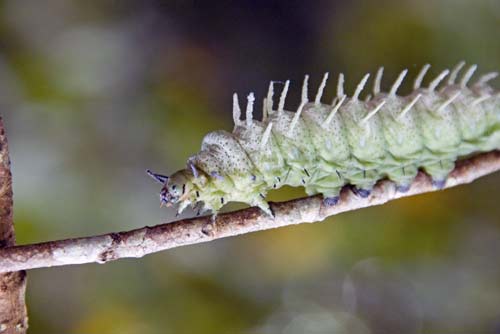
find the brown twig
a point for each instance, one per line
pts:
(146, 240)
(13, 318)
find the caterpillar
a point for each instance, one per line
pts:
(323, 147)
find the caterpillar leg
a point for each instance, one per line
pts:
(362, 192)
(209, 228)
(403, 177)
(331, 200)
(439, 171)
(182, 206)
(214, 203)
(263, 205)
(328, 185)
(331, 196)
(363, 181)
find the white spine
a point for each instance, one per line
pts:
(420, 76)
(409, 106)
(373, 112)
(398, 82)
(454, 72)
(448, 102)
(295, 118)
(378, 81)
(281, 103)
(340, 86)
(304, 88)
(486, 77)
(468, 75)
(321, 88)
(249, 113)
(434, 83)
(264, 109)
(269, 98)
(360, 87)
(334, 111)
(236, 110)
(266, 135)
(479, 100)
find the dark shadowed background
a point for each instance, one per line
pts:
(95, 92)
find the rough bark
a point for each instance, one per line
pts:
(146, 240)
(13, 316)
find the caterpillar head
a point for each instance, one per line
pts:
(176, 188)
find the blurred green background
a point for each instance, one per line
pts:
(95, 92)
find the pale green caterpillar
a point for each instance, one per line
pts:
(323, 147)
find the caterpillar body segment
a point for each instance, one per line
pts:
(332, 150)
(323, 147)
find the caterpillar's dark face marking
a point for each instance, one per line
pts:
(176, 188)
(324, 147)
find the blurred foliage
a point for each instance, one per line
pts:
(95, 92)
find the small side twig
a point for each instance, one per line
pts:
(146, 240)
(13, 316)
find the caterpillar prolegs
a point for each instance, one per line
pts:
(324, 147)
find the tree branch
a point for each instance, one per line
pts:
(146, 240)
(13, 317)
